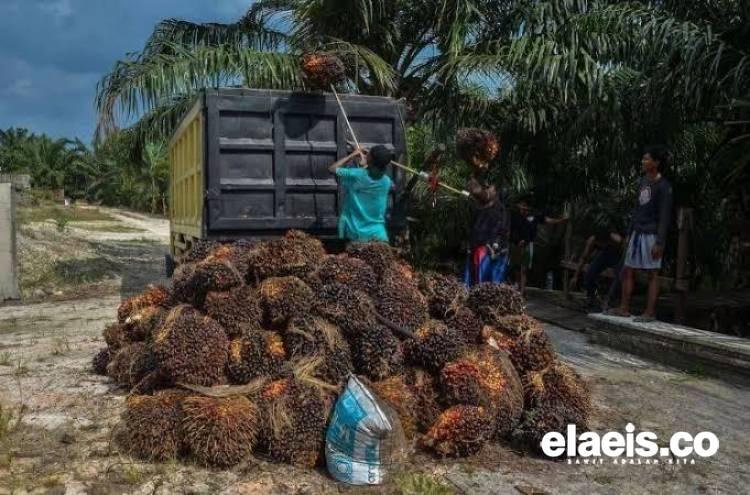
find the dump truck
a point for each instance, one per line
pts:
(254, 163)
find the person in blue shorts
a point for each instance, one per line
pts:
(366, 186)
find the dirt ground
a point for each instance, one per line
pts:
(57, 418)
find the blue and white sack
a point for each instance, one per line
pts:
(364, 439)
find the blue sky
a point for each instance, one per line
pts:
(53, 52)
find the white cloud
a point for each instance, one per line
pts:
(58, 8)
(18, 88)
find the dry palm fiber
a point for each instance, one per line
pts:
(114, 336)
(492, 301)
(296, 254)
(352, 272)
(350, 310)
(397, 393)
(529, 351)
(434, 345)
(379, 255)
(255, 354)
(516, 325)
(130, 364)
(155, 295)
(316, 337)
(322, 69)
(199, 251)
(476, 144)
(142, 323)
(191, 348)
(220, 432)
(426, 392)
(459, 431)
(444, 293)
(295, 416)
(376, 353)
(485, 377)
(465, 321)
(237, 310)
(101, 360)
(151, 427)
(400, 302)
(554, 398)
(285, 298)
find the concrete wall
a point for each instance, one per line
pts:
(8, 259)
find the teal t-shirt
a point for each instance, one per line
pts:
(362, 218)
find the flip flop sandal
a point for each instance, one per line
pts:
(644, 319)
(617, 312)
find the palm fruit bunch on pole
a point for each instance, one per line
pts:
(295, 416)
(493, 301)
(246, 350)
(445, 294)
(476, 144)
(322, 69)
(554, 398)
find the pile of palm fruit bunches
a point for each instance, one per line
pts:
(276, 328)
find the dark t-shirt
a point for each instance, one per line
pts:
(489, 222)
(524, 228)
(653, 212)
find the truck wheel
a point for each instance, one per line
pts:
(169, 265)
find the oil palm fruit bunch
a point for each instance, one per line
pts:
(294, 255)
(295, 416)
(444, 293)
(222, 270)
(150, 383)
(349, 271)
(466, 321)
(191, 348)
(554, 398)
(492, 301)
(101, 360)
(350, 310)
(151, 426)
(114, 336)
(459, 431)
(398, 394)
(426, 392)
(476, 144)
(285, 298)
(434, 345)
(322, 69)
(130, 364)
(310, 337)
(237, 310)
(509, 409)
(199, 251)
(379, 255)
(516, 325)
(255, 354)
(529, 351)
(143, 322)
(220, 432)
(376, 353)
(400, 302)
(154, 295)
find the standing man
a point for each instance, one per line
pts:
(523, 229)
(366, 187)
(605, 250)
(648, 231)
(488, 239)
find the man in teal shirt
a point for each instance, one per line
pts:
(366, 189)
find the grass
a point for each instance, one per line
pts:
(422, 484)
(115, 228)
(29, 214)
(5, 358)
(141, 240)
(60, 346)
(21, 369)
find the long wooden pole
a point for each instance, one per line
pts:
(346, 117)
